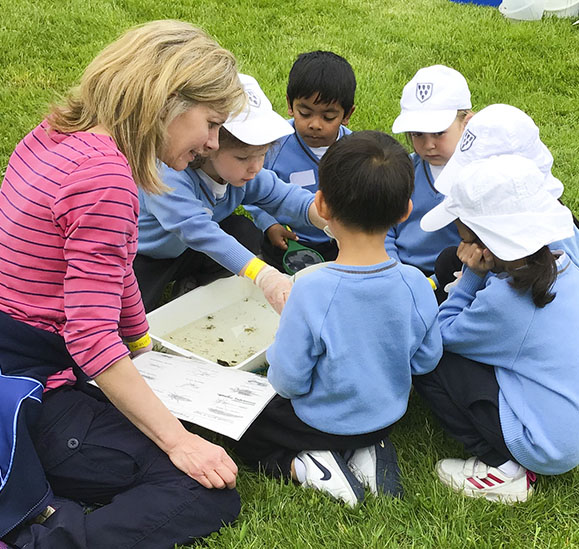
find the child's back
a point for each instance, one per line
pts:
(349, 340)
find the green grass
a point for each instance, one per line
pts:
(44, 46)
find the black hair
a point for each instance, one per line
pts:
(538, 275)
(367, 179)
(324, 74)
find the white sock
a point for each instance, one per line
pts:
(509, 468)
(300, 469)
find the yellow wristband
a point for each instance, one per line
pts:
(141, 343)
(432, 283)
(253, 267)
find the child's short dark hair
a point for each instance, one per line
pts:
(367, 179)
(324, 74)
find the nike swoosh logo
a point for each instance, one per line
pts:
(325, 472)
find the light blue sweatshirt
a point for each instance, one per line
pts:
(349, 339)
(188, 216)
(536, 359)
(294, 162)
(407, 242)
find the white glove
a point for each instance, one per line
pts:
(457, 275)
(275, 286)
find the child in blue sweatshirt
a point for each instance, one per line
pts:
(435, 108)
(507, 386)
(191, 231)
(320, 98)
(350, 337)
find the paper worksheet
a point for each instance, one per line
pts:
(218, 398)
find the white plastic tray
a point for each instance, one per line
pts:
(228, 320)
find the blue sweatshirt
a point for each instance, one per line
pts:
(294, 162)
(407, 242)
(188, 216)
(349, 339)
(534, 353)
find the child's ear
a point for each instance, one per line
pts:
(408, 212)
(321, 206)
(468, 116)
(346, 118)
(290, 109)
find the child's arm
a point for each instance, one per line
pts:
(282, 199)
(429, 350)
(296, 349)
(484, 319)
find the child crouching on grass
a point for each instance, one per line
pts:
(507, 386)
(350, 337)
(192, 231)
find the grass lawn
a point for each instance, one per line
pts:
(44, 46)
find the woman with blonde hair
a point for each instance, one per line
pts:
(70, 307)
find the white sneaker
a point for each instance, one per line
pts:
(327, 471)
(376, 466)
(474, 478)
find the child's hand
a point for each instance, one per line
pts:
(278, 236)
(478, 259)
(275, 286)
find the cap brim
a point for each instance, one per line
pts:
(437, 218)
(424, 121)
(514, 237)
(448, 176)
(259, 130)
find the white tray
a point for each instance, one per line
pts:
(228, 319)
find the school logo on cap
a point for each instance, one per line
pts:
(253, 99)
(467, 141)
(424, 91)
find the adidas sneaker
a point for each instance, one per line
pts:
(474, 478)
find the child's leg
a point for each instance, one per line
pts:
(277, 436)
(463, 394)
(91, 453)
(153, 275)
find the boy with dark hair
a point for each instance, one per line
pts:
(351, 335)
(320, 98)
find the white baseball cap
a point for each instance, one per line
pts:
(431, 100)
(503, 200)
(499, 129)
(258, 123)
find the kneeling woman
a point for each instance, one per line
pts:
(70, 302)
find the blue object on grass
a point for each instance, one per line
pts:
(494, 3)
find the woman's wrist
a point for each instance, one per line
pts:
(136, 343)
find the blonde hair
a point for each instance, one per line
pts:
(138, 84)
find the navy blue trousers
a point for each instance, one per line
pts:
(91, 453)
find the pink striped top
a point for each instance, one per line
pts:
(68, 236)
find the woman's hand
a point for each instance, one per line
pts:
(203, 461)
(278, 236)
(478, 259)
